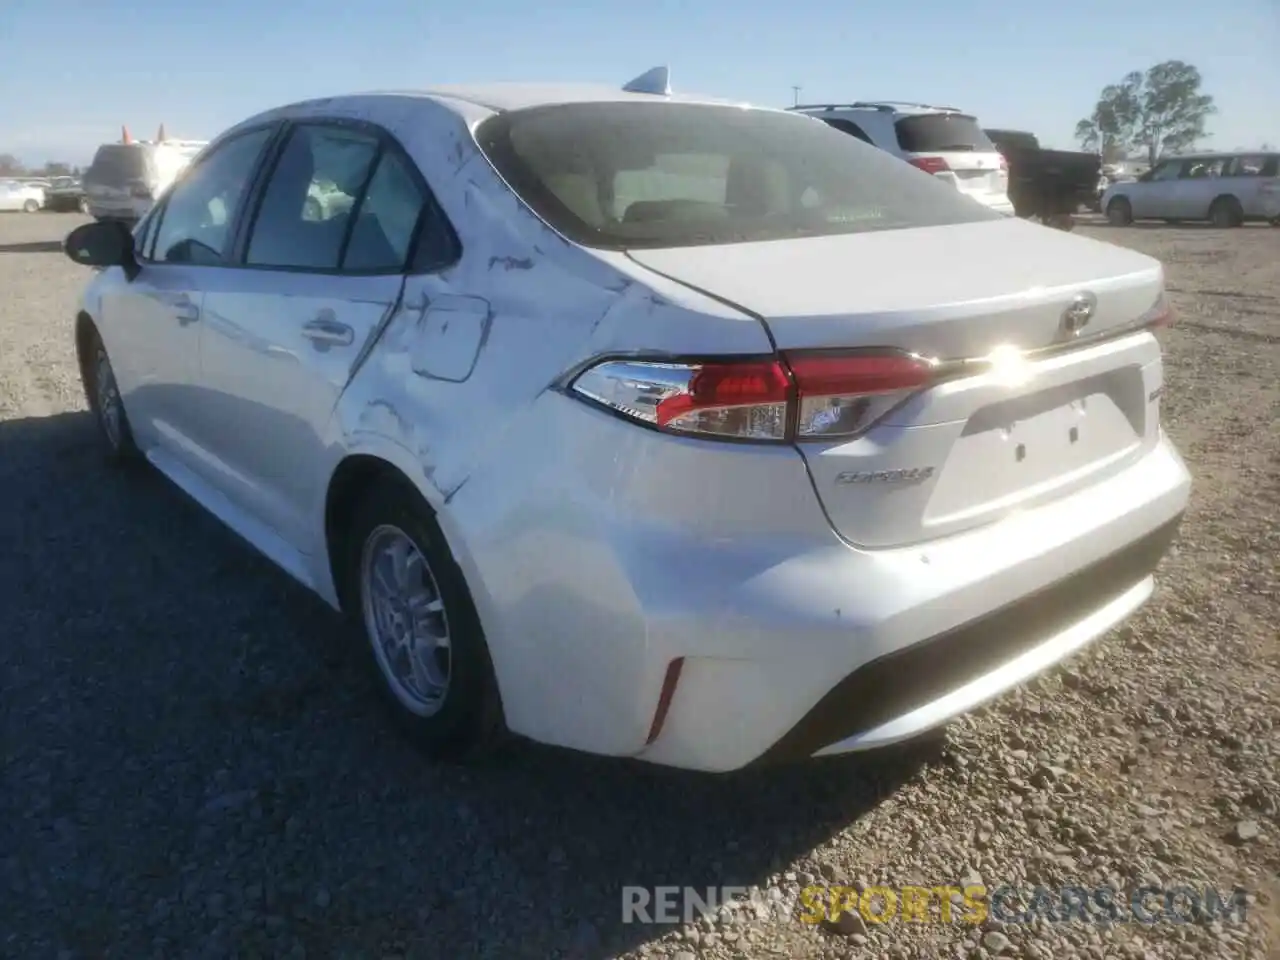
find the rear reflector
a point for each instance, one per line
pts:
(930, 164)
(1161, 315)
(806, 396)
(664, 698)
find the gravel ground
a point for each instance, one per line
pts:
(194, 768)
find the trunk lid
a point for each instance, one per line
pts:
(965, 451)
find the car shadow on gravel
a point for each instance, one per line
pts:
(35, 246)
(220, 779)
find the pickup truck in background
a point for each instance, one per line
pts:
(1049, 184)
(66, 195)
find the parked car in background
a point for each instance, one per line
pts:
(16, 195)
(647, 425)
(942, 141)
(66, 195)
(125, 178)
(1226, 189)
(1050, 185)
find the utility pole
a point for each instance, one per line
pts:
(795, 95)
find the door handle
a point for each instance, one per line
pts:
(323, 331)
(185, 310)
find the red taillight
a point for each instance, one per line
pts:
(722, 386)
(1161, 315)
(806, 396)
(857, 374)
(930, 164)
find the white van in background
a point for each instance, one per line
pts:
(125, 178)
(943, 141)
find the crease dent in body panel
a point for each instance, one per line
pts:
(371, 340)
(382, 417)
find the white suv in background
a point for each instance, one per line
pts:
(125, 179)
(939, 140)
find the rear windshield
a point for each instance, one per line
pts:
(644, 175)
(118, 162)
(942, 133)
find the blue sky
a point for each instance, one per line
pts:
(72, 72)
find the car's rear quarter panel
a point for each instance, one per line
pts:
(526, 481)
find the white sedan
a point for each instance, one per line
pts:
(643, 424)
(16, 195)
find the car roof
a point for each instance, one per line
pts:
(881, 106)
(503, 97)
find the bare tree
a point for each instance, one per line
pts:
(1161, 110)
(10, 166)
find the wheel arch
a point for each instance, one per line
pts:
(85, 329)
(1230, 198)
(357, 473)
(351, 479)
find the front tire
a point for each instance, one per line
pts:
(1119, 212)
(103, 395)
(409, 602)
(31, 206)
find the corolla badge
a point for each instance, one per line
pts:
(909, 475)
(1077, 315)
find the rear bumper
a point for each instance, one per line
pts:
(118, 209)
(842, 649)
(915, 689)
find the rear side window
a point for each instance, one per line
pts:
(646, 175)
(1247, 167)
(942, 133)
(388, 214)
(119, 163)
(849, 127)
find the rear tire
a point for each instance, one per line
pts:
(103, 395)
(1226, 212)
(418, 625)
(1119, 212)
(31, 206)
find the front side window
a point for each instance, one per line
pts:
(306, 207)
(1208, 167)
(195, 223)
(1168, 170)
(645, 175)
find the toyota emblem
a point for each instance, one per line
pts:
(1078, 314)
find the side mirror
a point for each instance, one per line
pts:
(104, 243)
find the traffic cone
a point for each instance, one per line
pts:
(124, 135)
(160, 137)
